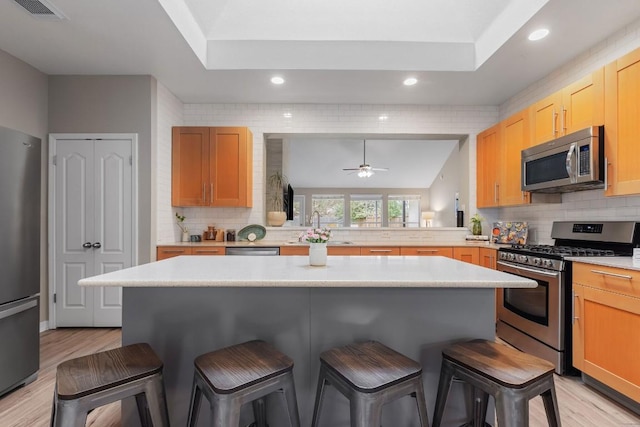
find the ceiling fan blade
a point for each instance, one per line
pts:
(350, 169)
(381, 169)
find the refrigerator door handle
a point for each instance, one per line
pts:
(18, 308)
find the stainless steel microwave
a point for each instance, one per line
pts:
(570, 163)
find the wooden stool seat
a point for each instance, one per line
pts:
(370, 375)
(233, 376)
(511, 376)
(233, 368)
(87, 382)
(504, 365)
(370, 366)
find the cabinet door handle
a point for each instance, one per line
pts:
(97, 245)
(606, 173)
(211, 193)
(496, 193)
(563, 120)
(428, 251)
(573, 307)
(554, 115)
(173, 251)
(379, 250)
(86, 245)
(204, 193)
(619, 276)
(207, 251)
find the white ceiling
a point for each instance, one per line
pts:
(464, 52)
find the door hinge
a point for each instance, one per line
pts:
(54, 160)
(55, 298)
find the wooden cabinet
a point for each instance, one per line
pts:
(380, 250)
(577, 106)
(470, 255)
(488, 257)
(498, 177)
(210, 250)
(295, 250)
(164, 252)
(622, 125)
(212, 166)
(343, 250)
(606, 320)
(515, 138)
(488, 167)
(427, 251)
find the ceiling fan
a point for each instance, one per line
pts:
(365, 170)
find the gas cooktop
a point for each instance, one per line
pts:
(562, 250)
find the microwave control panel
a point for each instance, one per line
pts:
(584, 158)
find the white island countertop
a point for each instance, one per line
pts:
(294, 271)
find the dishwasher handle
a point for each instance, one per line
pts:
(24, 306)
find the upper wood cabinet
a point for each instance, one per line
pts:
(212, 166)
(577, 106)
(515, 138)
(488, 167)
(622, 125)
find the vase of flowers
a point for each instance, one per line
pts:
(185, 231)
(317, 238)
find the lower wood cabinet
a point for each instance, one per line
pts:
(164, 252)
(218, 250)
(606, 321)
(343, 250)
(470, 255)
(295, 250)
(427, 251)
(379, 250)
(488, 257)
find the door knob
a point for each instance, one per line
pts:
(86, 245)
(97, 245)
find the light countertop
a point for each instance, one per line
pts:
(616, 262)
(294, 271)
(354, 243)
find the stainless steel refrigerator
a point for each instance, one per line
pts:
(19, 258)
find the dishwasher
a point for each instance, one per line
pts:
(262, 250)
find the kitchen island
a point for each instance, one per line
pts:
(189, 305)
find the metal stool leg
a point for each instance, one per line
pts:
(259, 413)
(292, 401)
(225, 412)
(551, 405)
(421, 403)
(70, 414)
(512, 409)
(194, 404)
(317, 407)
(157, 402)
(141, 403)
(444, 385)
(364, 412)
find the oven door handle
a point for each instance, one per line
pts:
(529, 270)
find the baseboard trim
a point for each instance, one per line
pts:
(44, 326)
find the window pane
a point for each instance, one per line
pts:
(366, 210)
(404, 211)
(331, 209)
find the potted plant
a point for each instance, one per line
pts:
(276, 216)
(476, 225)
(185, 231)
(317, 238)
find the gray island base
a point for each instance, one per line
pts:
(184, 317)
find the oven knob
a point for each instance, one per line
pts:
(523, 258)
(537, 261)
(547, 263)
(511, 257)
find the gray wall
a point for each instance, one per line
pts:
(116, 104)
(449, 181)
(23, 107)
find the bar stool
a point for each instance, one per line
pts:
(88, 382)
(370, 375)
(242, 373)
(510, 376)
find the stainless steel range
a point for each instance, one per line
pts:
(538, 320)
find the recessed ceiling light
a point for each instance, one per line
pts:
(538, 34)
(277, 80)
(383, 117)
(410, 81)
(287, 115)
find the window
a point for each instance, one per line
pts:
(331, 209)
(404, 210)
(298, 210)
(366, 210)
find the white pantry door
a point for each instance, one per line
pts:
(92, 227)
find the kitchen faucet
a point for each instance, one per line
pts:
(317, 214)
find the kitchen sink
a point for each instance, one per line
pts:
(338, 243)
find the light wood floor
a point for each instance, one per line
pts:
(30, 406)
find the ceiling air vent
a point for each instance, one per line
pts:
(41, 9)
